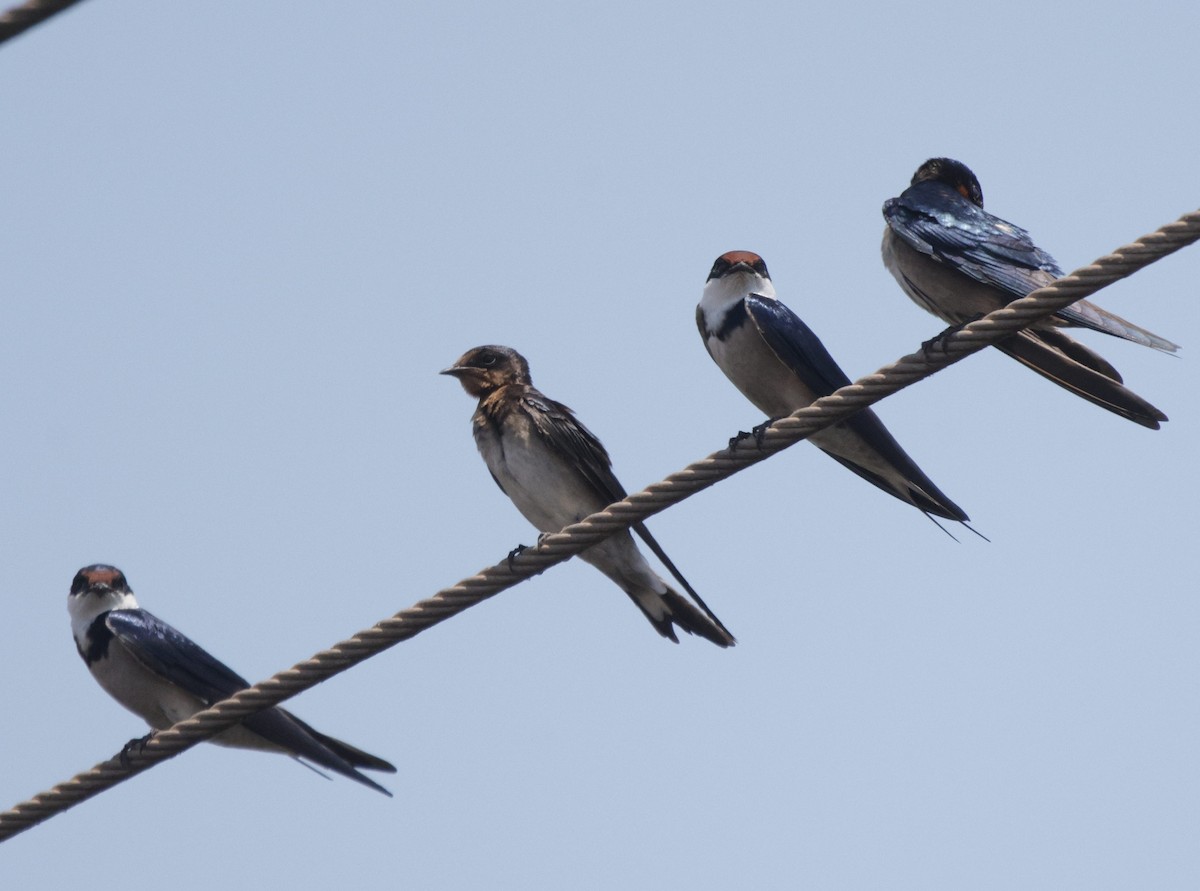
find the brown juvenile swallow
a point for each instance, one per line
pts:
(556, 472)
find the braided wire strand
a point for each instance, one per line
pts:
(560, 546)
(21, 18)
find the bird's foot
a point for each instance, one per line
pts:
(515, 553)
(761, 431)
(756, 433)
(139, 744)
(938, 341)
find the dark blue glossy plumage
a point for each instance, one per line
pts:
(795, 344)
(959, 262)
(797, 347)
(173, 657)
(940, 221)
(937, 220)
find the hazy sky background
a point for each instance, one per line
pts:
(240, 241)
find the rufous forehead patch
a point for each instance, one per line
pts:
(735, 257)
(102, 576)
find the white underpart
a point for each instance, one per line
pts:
(724, 293)
(774, 388)
(551, 495)
(746, 360)
(83, 609)
(151, 697)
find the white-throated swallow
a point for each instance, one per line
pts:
(163, 677)
(556, 472)
(780, 365)
(959, 262)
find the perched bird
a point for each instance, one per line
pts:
(780, 365)
(556, 472)
(959, 262)
(163, 677)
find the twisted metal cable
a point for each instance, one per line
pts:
(560, 546)
(33, 12)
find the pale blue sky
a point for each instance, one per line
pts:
(240, 240)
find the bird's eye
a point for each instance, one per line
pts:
(487, 360)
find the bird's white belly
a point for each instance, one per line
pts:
(546, 490)
(756, 371)
(158, 703)
(950, 295)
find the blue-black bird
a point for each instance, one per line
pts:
(163, 677)
(959, 262)
(780, 365)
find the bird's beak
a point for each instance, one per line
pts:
(454, 371)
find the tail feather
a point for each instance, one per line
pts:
(355, 756)
(1033, 351)
(862, 444)
(1084, 314)
(711, 617)
(682, 613)
(328, 752)
(920, 491)
(1073, 349)
(619, 559)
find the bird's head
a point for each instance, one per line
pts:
(486, 369)
(954, 174)
(97, 589)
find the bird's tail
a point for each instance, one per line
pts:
(700, 619)
(303, 741)
(670, 609)
(665, 608)
(1087, 315)
(1042, 352)
(356, 757)
(877, 457)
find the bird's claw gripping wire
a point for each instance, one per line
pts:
(139, 744)
(758, 433)
(938, 341)
(515, 553)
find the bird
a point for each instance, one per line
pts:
(957, 261)
(781, 366)
(163, 677)
(557, 472)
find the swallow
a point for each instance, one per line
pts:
(781, 366)
(959, 262)
(556, 472)
(163, 677)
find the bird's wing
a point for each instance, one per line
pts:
(797, 347)
(570, 438)
(940, 223)
(563, 432)
(937, 221)
(178, 660)
(173, 656)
